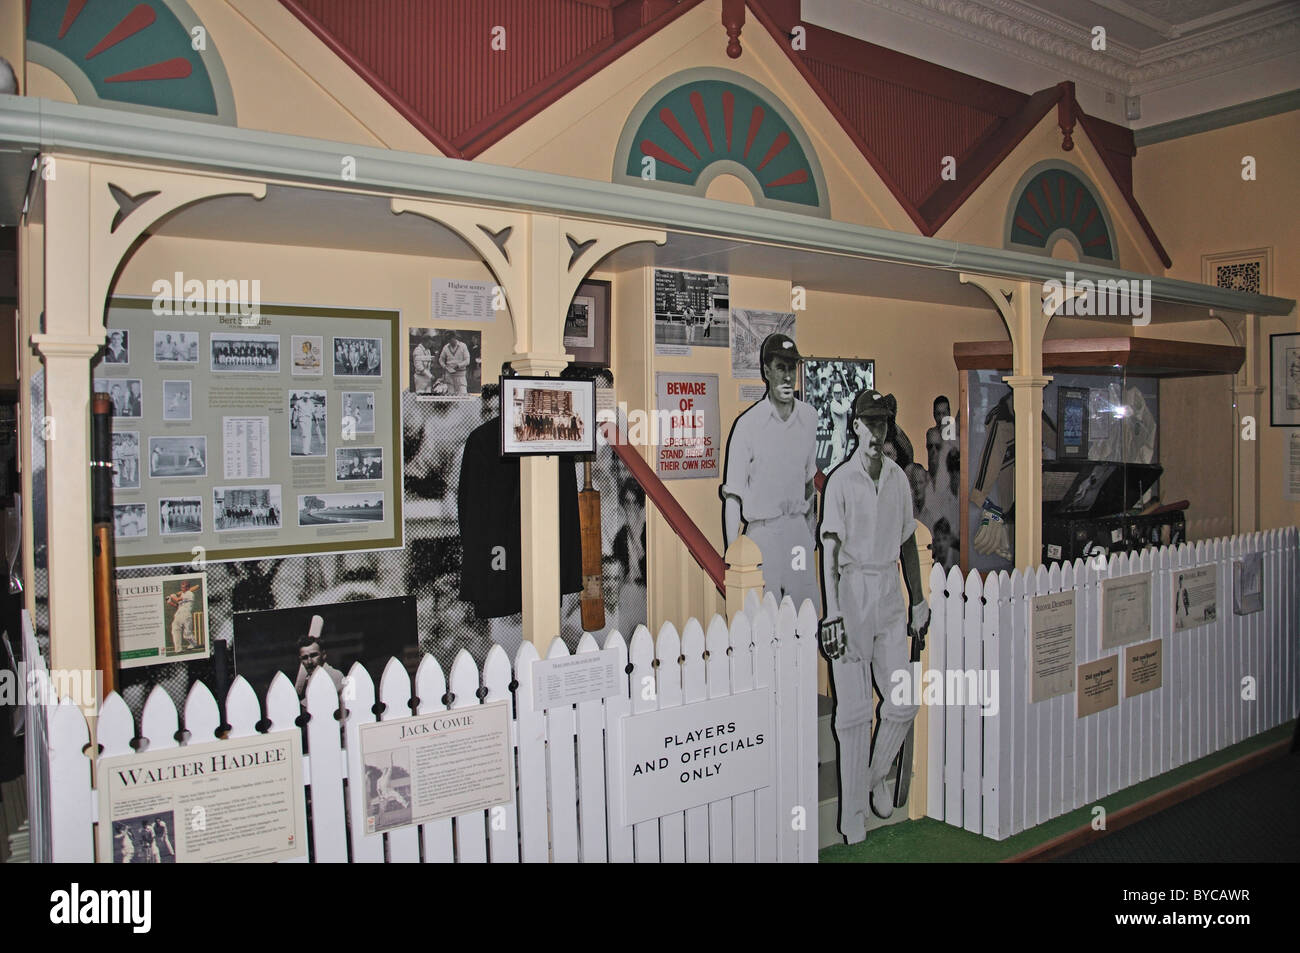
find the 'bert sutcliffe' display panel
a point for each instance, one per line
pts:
(240, 443)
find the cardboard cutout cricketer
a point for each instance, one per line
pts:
(771, 463)
(867, 529)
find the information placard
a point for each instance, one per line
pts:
(1052, 646)
(1125, 609)
(219, 802)
(433, 766)
(1196, 599)
(572, 679)
(692, 755)
(1098, 686)
(1143, 667)
(689, 426)
(243, 437)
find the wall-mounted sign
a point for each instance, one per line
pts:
(1051, 647)
(1195, 597)
(689, 426)
(685, 757)
(1143, 667)
(207, 803)
(1098, 686)
(1125, 609)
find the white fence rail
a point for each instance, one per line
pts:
(999, 774)
(568, 760)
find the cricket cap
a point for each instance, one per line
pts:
(871, 403)
(779, 344)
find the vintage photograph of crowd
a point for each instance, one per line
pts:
(245, 353)
(246, 507)
(180, 515)
(358, 357)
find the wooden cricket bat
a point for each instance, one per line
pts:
(593, 595)
(101, 507)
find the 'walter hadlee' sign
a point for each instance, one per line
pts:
(686, 757)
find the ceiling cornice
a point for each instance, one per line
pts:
(1020, 30)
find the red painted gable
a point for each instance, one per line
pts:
(434, 61)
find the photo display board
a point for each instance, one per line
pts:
(278, 438)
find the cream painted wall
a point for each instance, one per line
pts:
(322, 276)
(1193, 192)
(982, 217)
(46, 84)
(593, 115)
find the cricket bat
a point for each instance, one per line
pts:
(593, 595)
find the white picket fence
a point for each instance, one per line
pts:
(568, 760)
(1030, 762)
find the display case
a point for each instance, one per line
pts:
(1137, 448)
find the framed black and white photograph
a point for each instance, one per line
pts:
(130, 520)
(446, 363)
(1284, 361)
(332, 509)
(246, 508)
(178, 456)
(358, 357)
(180, 515)
(306, 351)
(830, 385)
(125, 393)
(586, 325)
(546, 415)
(176, 347)
(358, 463)
(308, 417)
(359, 405)
(176, 400)
(118, 349)
(245, 353)
(126, 460)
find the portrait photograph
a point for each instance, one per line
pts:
(117, 350)
(307, 351)
(358, 357)
(126, 460)
(358, 463)
(245, 353)
(178, 456)
(308, 416)
(446, 364)
(130, 520)
(547, 415)
(176, 400)
(360, 406)
(125, 393)
(176, 347)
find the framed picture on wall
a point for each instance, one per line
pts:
(547, 415)
(1284, 361)
(1072, 423)
(586, 326)
(831, 384)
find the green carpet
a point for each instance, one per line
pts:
(930, 840)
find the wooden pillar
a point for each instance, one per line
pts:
(743, 574)
(1248, 399)
(1020, 303)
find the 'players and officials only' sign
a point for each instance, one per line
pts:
(686, 757)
